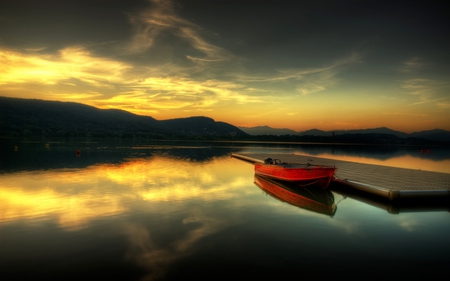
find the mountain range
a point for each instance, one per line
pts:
(436, 134)
(32, 117)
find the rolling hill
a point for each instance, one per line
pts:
(266, 130)
(29, 117)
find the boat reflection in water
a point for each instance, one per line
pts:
(308, 198)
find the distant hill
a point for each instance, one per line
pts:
(200, 125)
(30, 117)
(266, 130)
(382, 130)
(434, 135)
(315, 132)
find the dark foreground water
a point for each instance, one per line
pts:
(188, 211)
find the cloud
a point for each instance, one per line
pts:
(161, 19)
(307, 81)
(33, 50)
(70, 63)
(430, 101)
(412, 65)
(148, 24)
(193, 75)
(179, 92)
(427, 90)
(75, 96)
(76, 73)
(444, 105)
(419, 87)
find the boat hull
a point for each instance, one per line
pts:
(311, 199)
(301, 174)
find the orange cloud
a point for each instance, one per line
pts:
(70, 63)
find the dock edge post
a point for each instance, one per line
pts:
(393, 195)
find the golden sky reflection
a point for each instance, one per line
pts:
(404, 161)
(74, 198)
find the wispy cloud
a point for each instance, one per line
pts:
(143, 88)
(74, 96)
(161, 18)
(307, 81)
(412, 65)
(419, 87)
(179, 92)
(70, 63)
(444, 105)
(111, 83)
(411, 114)
(428, 101)
(199, 82)
(427, 91)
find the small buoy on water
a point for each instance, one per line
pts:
(47, 145)
(78, 152)
(422, 151)
(16, 148)
(429, 151)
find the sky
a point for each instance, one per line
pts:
(329, 65)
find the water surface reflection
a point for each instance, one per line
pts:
(171, 194)
(313, 199)
(75, 196)
(436, 158)
(170, 213)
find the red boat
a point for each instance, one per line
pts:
(302, 174)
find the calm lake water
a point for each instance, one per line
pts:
(133, 210)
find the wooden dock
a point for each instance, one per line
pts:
(388, 182)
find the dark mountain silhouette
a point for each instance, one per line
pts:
(381, 130)
(199, 125)
(315, 132)
(266, 130)
(31, 117)
(435, 135)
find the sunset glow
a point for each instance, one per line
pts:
(286, 65)
(38, 194)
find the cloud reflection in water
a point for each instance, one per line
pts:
(74, 197)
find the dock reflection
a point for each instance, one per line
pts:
(406, 205)
(312, 199)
